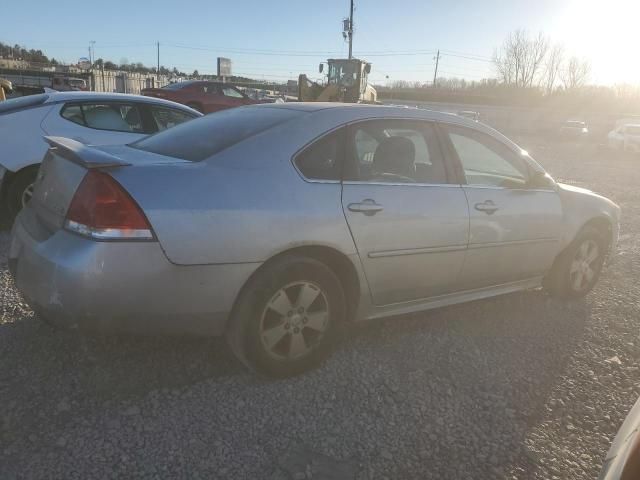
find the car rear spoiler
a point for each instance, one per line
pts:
(88, 157)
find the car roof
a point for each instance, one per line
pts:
(104, 97)
(363, 111)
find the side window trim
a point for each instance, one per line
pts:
(341, 130)
(450, 169)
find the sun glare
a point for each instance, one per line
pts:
(605, 33)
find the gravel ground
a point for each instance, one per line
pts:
(517, 387)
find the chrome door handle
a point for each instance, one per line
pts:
(368, 207)
(487, 207)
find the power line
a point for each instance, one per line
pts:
(477, 59)
(465, 74)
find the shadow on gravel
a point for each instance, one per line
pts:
(108, 366)
(488, 366)
(453, 390)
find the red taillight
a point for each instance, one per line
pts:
(102, 209)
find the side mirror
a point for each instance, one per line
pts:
(321, 68)
(367, 68)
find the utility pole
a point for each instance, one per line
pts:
(350, 32)
(158, 47)
(435, 74)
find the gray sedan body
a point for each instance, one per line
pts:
(471, 216)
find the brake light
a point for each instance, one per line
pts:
(103, 210)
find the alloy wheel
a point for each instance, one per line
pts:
(294, 320)
(584, 265)
(26, 195)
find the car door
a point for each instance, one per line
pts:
(98, 123)
(515, 224)
(408, 220)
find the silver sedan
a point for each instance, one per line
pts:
(275, 224)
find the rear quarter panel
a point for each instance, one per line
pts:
(245, 204)
(22, 142)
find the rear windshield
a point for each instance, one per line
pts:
(203, 137)
(23, 102)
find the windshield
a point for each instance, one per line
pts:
(343, 73)
(23, 102)
(201, 138)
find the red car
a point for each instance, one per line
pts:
(206, 97)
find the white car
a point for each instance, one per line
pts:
(91, 118)
(625, 138)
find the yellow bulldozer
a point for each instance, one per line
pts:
(5, 89)
(346, 82)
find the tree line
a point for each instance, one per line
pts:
(37, 57)
(529, 61)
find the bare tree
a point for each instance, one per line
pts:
(552, 67)
(575, 73)
(400, 84)
(520, 59)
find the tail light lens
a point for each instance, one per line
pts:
(103, 210)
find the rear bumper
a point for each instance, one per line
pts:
(120, 286)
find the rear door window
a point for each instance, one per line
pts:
(395, 151)
(117, 117)
(164, 118)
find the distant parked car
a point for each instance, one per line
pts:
(206, 97)
(623, 459)
(68, 84)
(92, 118)
(574, 130)
(625, 138)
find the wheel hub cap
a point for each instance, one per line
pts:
(294, 320)
(584, 265)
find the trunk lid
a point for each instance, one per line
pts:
(65, 165)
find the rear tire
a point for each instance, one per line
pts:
(286, 318)
(577, 269)
(19, 191)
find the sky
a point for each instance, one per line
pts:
(278, 39)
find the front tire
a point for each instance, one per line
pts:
(576, 271)
(286, 318)
(19, 191)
